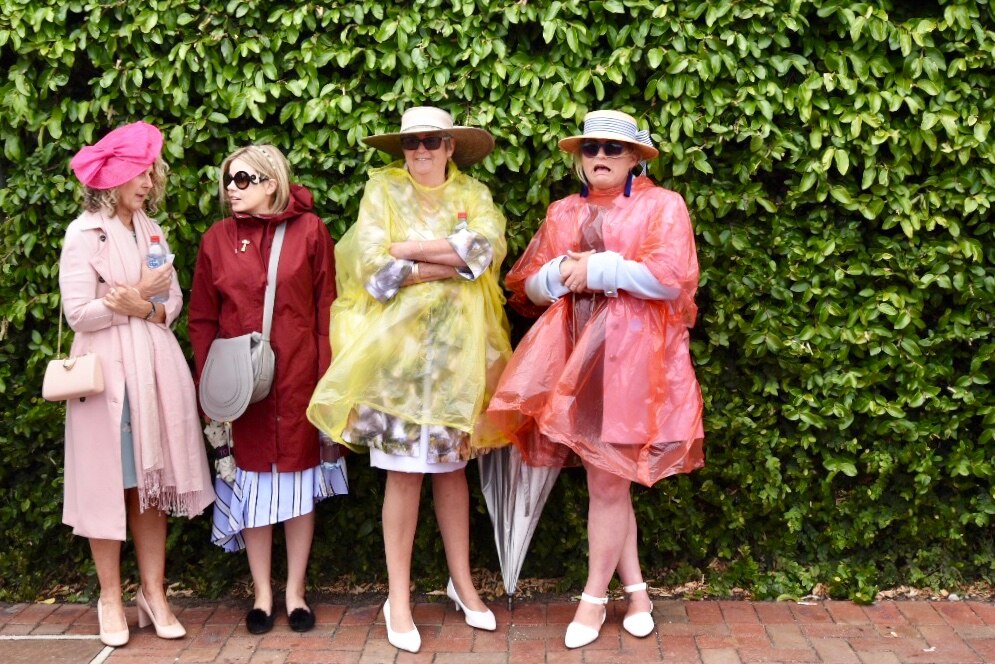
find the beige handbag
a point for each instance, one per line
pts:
(71, 377)
(239, 371)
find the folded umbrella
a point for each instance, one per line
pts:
(515, 494)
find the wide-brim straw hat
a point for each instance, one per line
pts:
(612, 126)
(118, 157)
(472, 143)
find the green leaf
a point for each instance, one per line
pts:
(842, 161)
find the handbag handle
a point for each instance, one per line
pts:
(274, 261)
(58, 343)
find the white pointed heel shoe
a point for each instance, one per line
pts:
(638, 624)
(146, 617)
(410, 641)
(579, 635)
(475, 619)
(112, 639)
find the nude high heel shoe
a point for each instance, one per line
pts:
(476, 619)
(410, 641)
(112, 639)
(579, 635)
(638, 624)
(145, 617)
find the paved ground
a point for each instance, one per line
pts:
(709, 632)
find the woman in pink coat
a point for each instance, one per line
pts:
(604, 377)
(135, 452)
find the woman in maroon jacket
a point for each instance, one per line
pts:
(279, 476)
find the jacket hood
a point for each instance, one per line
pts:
(301, 201)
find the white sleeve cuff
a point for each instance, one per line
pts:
(545, 286)
(385, 283)
(602, 272)
(474, 249)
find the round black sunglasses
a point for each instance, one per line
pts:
(242, 179)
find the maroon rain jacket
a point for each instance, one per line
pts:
(229, 286)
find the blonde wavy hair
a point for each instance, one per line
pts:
(267, 161)
(105, 200)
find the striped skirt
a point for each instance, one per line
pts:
(263, 499)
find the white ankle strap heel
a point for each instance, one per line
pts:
(579, 635)
(638, 624)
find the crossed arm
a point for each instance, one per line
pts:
(434, 260)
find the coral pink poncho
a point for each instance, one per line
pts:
(609, 378)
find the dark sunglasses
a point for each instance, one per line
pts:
(242, 179)
(611, 148)
(430, 142)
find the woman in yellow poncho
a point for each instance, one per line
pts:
(419, 338)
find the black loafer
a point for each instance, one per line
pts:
(301, 620)
(258, 621)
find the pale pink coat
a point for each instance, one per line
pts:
(94, 497)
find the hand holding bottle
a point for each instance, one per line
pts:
(157, 258)
(154, 283)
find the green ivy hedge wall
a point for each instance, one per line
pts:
(837, 160)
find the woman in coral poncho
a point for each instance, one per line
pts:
(605, 374)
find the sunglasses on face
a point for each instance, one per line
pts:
(611, 148)
(430, 142)
(242, 179)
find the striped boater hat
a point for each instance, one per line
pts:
(612, 126)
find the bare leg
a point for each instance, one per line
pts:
(400, 519)
(259, 550)
(606, 536)
(299, 532)
(148, 529)
(107, 558)
(452, 510)
(628, 568)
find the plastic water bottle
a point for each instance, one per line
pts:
(157, 258)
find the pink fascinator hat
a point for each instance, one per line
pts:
(118, 157)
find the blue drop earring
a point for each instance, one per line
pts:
(584, 190)
(628, 185)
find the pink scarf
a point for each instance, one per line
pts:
(169, 447)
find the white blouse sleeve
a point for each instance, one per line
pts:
(607, 271)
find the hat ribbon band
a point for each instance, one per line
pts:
(621, 127)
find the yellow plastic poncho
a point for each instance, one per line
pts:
(433, 353)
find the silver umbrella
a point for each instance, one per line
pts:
(515, 494)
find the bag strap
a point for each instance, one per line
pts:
(274, 261)
(58, 344)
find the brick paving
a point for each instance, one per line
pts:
(706, 632)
